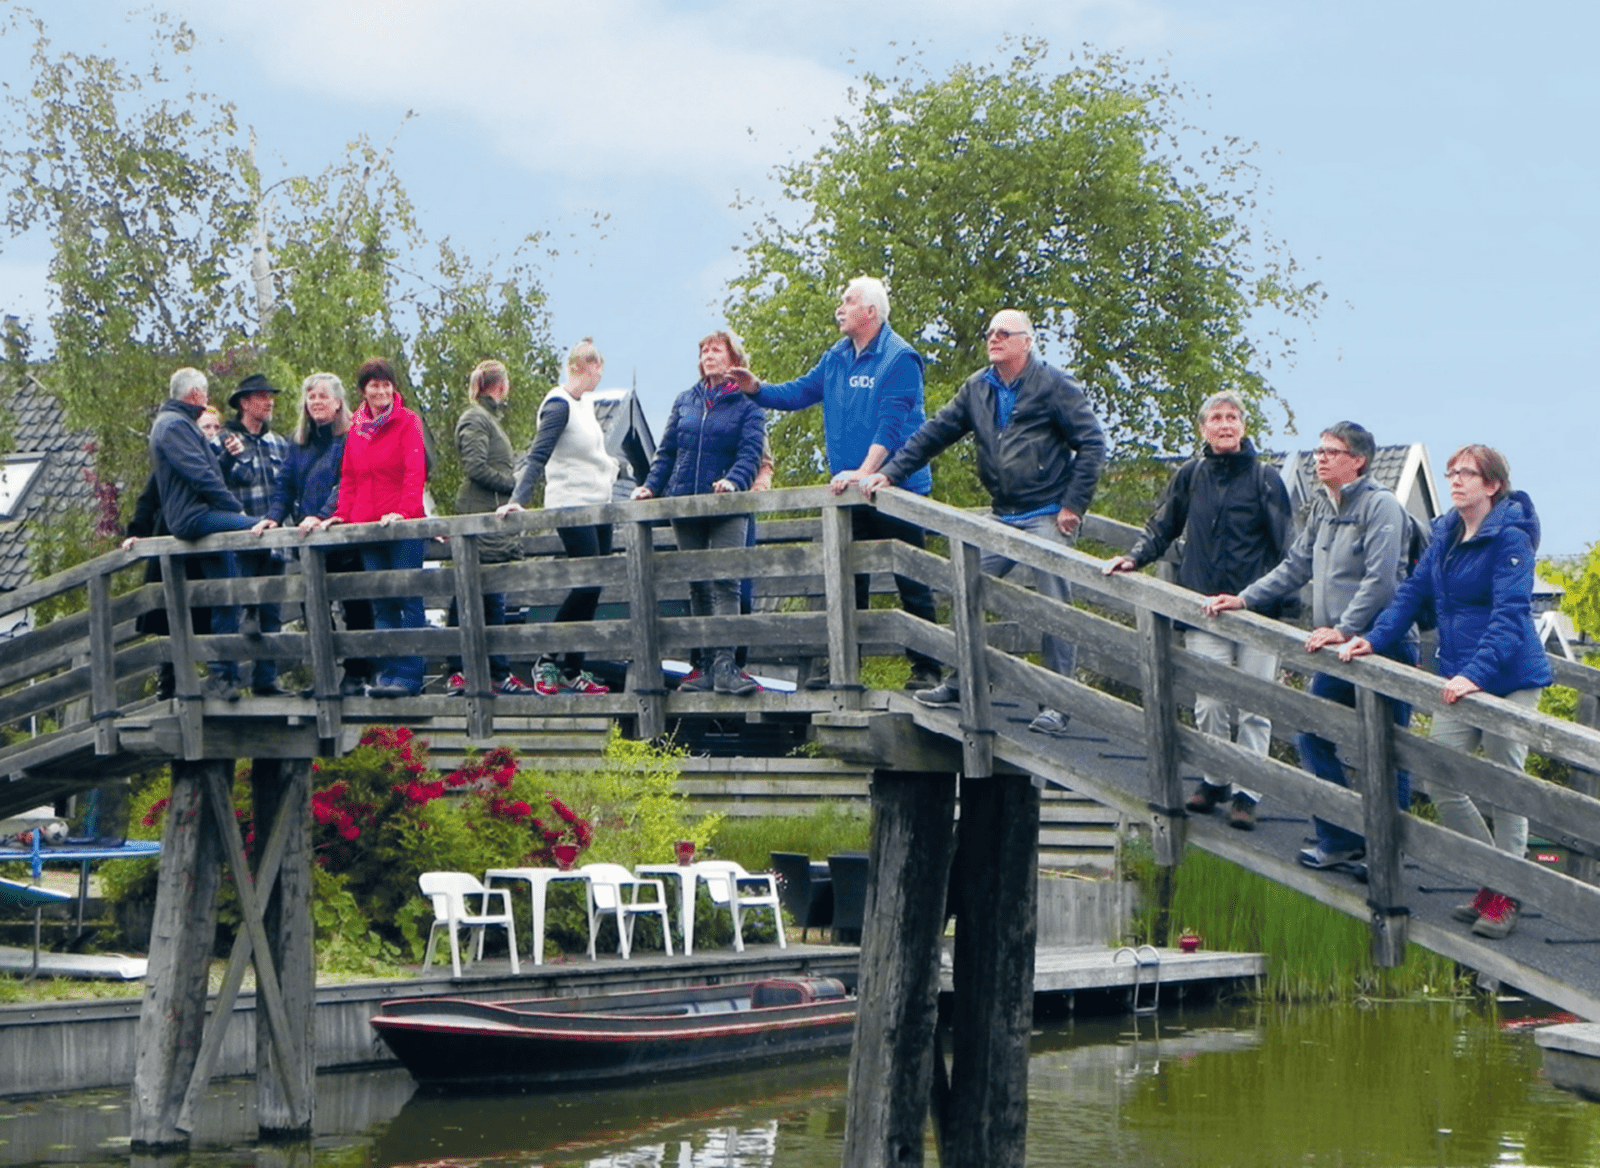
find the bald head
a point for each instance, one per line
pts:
(1010, 338)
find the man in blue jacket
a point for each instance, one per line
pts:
(195, 503)
(870, 387)
(1040, 452)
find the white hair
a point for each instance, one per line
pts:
(185, 381)
(873, 294)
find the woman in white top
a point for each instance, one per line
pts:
(569, 452)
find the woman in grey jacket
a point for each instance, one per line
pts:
(487, 482)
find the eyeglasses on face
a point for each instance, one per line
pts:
(999, 334)
(1328, 452)
(1463, 472)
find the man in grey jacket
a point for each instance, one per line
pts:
(1040, 452)
(1352, 550)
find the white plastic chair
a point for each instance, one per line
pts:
(605, 883)
(729, 884)
(449, 892)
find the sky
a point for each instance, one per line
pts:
(1433, 164)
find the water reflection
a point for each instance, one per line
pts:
(1386, 1086)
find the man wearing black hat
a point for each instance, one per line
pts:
(252, 458)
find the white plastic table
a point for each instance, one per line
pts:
(687, 883)
(539, 879)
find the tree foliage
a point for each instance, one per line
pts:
(171, 248)
(1061, 195)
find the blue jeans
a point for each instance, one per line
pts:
(403, 612)
(494, 613)
(1321, 757)
(915, 596)
(221, 566)
(265, 674)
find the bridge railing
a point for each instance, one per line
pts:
(90, 663)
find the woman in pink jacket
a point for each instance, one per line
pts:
(385, 469)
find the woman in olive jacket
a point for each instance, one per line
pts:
(488, 478)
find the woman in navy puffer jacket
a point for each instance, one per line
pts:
(712, 444)
(1478, 571)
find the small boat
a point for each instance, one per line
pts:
(548, 1043)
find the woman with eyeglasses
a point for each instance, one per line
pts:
(1478, 572)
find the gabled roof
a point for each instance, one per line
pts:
(1403, 469)
(62, 486)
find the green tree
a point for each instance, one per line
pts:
(1061, 195)
(133, 179)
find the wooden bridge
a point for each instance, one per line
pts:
(1127, 749)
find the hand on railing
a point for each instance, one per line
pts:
(330, 521)
(507, 508)
(1118, 564)
(723, 487)
(869, 484)
(127, 544)
(1457, 688)
(309, 524)
(1354, 647)
(1218, 604)
(642, 493)
(263, 526)
(1326, 635)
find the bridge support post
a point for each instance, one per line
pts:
(1169, 820)
(839, 587)
(892, 1059)
(184, 927)
(281, 796)
(1586, 782)
(1381, 819)
(474, 637)
(995, 886)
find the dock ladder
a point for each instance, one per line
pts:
(1143, 958)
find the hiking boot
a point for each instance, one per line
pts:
(1050, 722)
(696, 680)
(584, 682)
(821, 676)
(219, 689)
(1342, 860)
(1206, 798)
(728, 678)
(946, 693)
(456, 686)
(547, 679)
(513, 686)
(924, 677)
(1499, 917)
(1469, 913)
(1242, 813)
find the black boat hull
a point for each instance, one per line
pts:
(545, 1044)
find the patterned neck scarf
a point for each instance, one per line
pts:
(365, 426)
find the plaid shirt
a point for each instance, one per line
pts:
(253, 473)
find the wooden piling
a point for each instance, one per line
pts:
(282, 1115)
(181, 936)
(892, 1059)
(996, 890)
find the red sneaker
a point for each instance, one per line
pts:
(1498, 919)
(1470, 912)
(456, 686)
(547, 679)
(585, 682)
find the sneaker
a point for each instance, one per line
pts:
(820, 674)
(1469, 913)
(728, 678)
(1242, 813)
(1206, 798)
(456, 686)
(219, 689)
(1499, 917)
(584, 682)
(924, 677)
(353, 687)
(946, 693)
(696, 680)
(1050, 722)
(513, 686)
(547, 679)
(1317, 858)
(392, 689)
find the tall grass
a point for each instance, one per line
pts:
(832, 828)
(1314, 952)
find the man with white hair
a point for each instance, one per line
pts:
(870, 387)
(196, 502)
(1040, 451)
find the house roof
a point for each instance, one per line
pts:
(1403, 469)
(62, 486)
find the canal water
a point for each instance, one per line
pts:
(1380, 1086)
